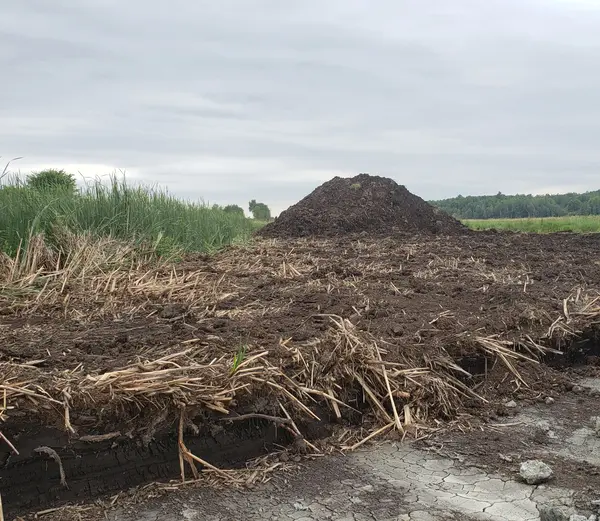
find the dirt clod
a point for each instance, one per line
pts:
(554, 513)
(362, 204)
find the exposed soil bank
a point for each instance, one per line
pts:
(455, 476)
(585, 350)
(281, 325)
(32, 480)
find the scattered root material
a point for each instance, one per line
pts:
(387, 336)
(53, 454)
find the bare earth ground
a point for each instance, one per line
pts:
(113, 369)
(453, 477)
(461, 477)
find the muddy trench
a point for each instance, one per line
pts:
(31, 481)
(585, 350)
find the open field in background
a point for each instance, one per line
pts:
(146, 217)
(153, 220)
(225, 367)
(575, 223)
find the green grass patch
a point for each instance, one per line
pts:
(257, 224)
(145, 216)
(578, 224)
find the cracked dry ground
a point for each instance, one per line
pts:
(454, 476)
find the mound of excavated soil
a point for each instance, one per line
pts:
(365, 203)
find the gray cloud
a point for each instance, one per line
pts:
(240, 99)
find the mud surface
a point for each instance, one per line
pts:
(31, 481)
(449, 477)
(561, 432)
(416, 293)
(366, 204)
(427, 301)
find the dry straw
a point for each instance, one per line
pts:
(404, 385)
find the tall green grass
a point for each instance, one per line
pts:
(147, 216)
(578, 224)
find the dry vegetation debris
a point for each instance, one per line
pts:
(312, 318)
(385, 334)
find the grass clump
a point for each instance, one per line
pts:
(577, 224)
(140, 215)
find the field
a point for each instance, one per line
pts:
(577, 224)
(146, 218)
(120, 368)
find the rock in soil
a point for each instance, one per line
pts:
(554, 513)
(535, 472)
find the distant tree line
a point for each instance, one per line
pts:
(502, 206)
(259, 211)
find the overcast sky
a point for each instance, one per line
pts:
(229, 100)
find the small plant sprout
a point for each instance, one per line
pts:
(238, 358)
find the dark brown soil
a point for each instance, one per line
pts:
(422, 298)
(373, 205)
(415, 293)
(32, 482)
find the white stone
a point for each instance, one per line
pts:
(549, 400)
(511, 405)
(535, 472)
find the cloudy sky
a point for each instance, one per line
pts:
(229, 100)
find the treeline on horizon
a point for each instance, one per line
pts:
(502, 206)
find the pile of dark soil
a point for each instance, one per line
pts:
(362, 204)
